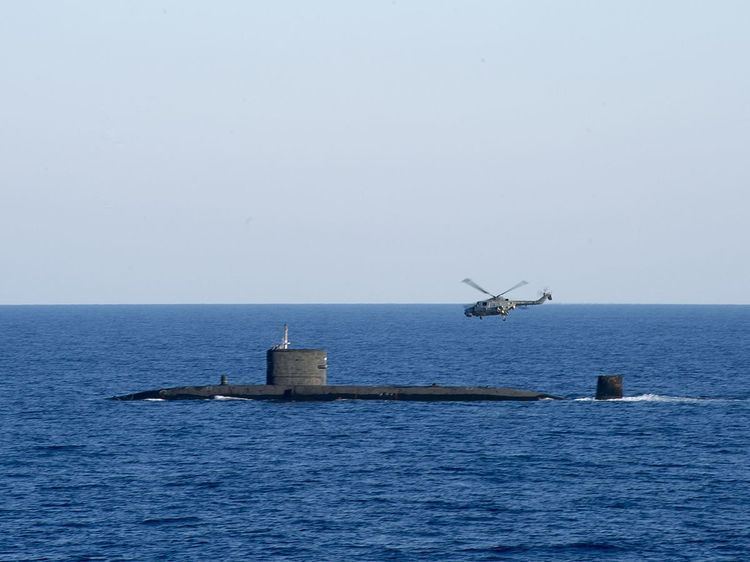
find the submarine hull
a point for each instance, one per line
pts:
(324, 393)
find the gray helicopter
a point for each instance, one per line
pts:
(498, 305)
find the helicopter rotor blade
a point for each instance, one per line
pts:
(519, 284)
(471, 283)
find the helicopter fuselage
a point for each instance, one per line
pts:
(490, 307)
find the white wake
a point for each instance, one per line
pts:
(652, 398)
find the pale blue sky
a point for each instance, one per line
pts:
(170, 152)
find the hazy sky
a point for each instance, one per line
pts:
(174, 152)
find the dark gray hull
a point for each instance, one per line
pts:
(322, 393)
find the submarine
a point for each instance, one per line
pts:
(301, 375)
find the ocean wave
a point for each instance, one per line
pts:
(220, 397)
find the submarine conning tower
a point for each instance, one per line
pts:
(295, 367)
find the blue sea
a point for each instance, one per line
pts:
(663, 474)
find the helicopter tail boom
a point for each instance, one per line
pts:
(546, 296)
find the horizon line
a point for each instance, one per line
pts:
(571, 303)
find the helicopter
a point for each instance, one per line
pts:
(498, 305)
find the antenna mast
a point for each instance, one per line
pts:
(285, 341)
